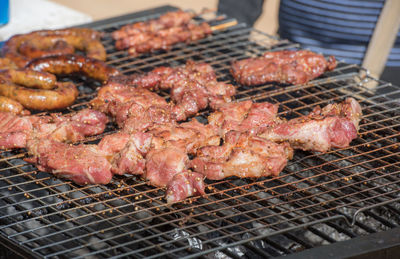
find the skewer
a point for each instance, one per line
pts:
(223, 26)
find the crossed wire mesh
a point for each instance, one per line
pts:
(50, 217)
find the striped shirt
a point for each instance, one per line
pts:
(341, 28)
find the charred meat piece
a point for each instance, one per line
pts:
(134, 109)
(170, 19)
(193, 87)
(286, 66)
(160, 34)
(243, 116)
(188, 136)
(126, 152)
(183, 185)
(163, 39)
(71, 127)
(83, 164)
(335, 125)
(14, 130)
(17, 130)
(242, 155)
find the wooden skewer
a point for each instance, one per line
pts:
(223, 26)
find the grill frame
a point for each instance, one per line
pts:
(230, 195)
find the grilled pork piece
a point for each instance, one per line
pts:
(126, 152)
(183, 185)
(160, 154)
(188, 136)
(16, 130)
(335, 125)
(163, 39)
(286, 66)
(193, 87)
(134, 109)
(170, 19)
(242, 155)
(160, 34)
(83, 164)
(244, 116)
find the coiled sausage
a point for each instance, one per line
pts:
(71, 63)
(10, 105)
(48, 42)
(35, 90)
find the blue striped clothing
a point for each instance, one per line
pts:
(342, 28)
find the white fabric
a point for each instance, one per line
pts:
(30, 15)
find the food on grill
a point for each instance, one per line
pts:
(170, 19)
(161, 154)
(184, 184)
(6, 63)
(134, 109)
(83, 164)
(36, 90)
(74, 64)
(244, 116)
(161, 33)
(242, 155)
(335, 125)
(22, 48)
(48, 94)
(126, 152)
(193, 87)
(29, 78)
(286, 66)
(163, 39)
(16, 130)
(10, 105)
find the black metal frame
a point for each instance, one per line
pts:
(387, 244)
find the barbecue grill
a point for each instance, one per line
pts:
(341, 203)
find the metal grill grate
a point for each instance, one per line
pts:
(308, 205)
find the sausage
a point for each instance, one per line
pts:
(47, 42)
(36, 48)
(71, 63)
(6, 63)
(29, 78)
(36, 90)
(10, 105)
(63, 95)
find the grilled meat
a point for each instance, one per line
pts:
(16, 130)
(243, 116)
(134, 109)
(193, 87)
(159, 34)
(183, 185)
(126, 152)
(286, 66)
(163, 39)
(188, 136)
(168, 20)
(83, 164)
(242, 155)
(335, 125)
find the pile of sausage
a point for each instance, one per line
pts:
(31, 62)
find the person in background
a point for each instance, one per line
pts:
(342, 28)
